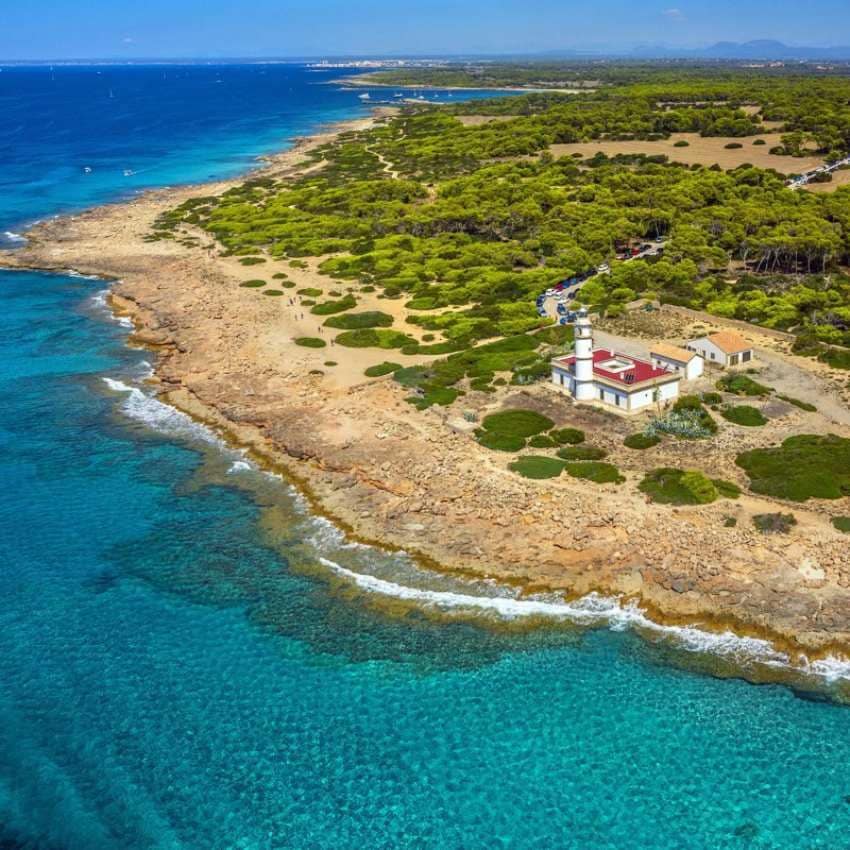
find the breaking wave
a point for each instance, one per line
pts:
(595, 610)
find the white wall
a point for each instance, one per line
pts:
(708, 350)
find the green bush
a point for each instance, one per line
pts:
(501, 442)
(733, 146)
(443, 396)
(670, 486)
(381, 369)
(329, 307)
(842, 523)
(759, 142)
(803, 467)
(536, 466)
(517, 423)
(681, 143)
(310, 342)
(252, 284)
(582, 453)
(353, 321)
(641, 441)
(373, 338)
(252, 261)
(599, 473)
(280, 276)
(774, 523)
(743, 414)
(331, 363)
(541, 441)
(567, 436)
(310, 292)
(274, 293)
(711, 398)
(742, 385)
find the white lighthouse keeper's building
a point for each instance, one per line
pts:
(617, 380)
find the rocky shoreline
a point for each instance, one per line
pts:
(417, 480)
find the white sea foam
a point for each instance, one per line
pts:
(15, 238)
(239, 466)
(161, 417)
(597, 610)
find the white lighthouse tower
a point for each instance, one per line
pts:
(584, 387)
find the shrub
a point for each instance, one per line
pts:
(733, 146)
(252, 284)
(687, 423)
(774, 523)
(567, 436)
(501, 442)
(641, 441)
(842, 523)
(297, 264)
(517, 423)
(742, 385)
(711, 398)
(252, 261)
(803, 405)
(541, 441)
(373, 338)
(310, 342)
(331, 363)
(681, 143)
(352, 321)
(329, 307)
(759, 142)
(537, 466)
(743, 414)
(582, 453)
(670, 486)
(381, 369)
(599, 473)
(274, 293)
(443, 396)
(803, 467)
(310, 292)
(280, 276)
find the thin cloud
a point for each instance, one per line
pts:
(674, 14)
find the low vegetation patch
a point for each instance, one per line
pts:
(599, 473)
(740, 384)
(803, 405)
(641, 441)
(803, 467)
(774, 523)
(582, 453)
(381, 369)
(500, 442)
(354, 321)
(517, 423)
(842, 523)
(670, 486)
(274, 293)
(542, 441)
(567, 436)
(253, 284)
(442, 396)
(373, 338)
(743, 414)
(310, 292)
(537, 466)
(310, 342)
(327, 308)
(252, 261)
(688, 420)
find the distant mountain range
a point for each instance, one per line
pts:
(760, 49)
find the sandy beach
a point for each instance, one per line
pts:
(418, 480)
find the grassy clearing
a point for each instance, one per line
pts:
(537, 466)
(803, 467)
(310, 342)
(743, 414)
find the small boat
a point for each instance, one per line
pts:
(87, 169)
(128, 172)
(364, 96)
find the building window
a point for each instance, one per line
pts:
(711, 354)
(601, 395)
(617, 400)
(746, 356)
(733, 360)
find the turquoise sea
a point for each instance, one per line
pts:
(190, 659)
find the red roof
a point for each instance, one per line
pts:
(639, 371)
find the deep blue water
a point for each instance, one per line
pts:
(180, 667)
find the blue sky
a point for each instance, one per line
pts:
(216, 28)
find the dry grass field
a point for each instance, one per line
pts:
(701, 151)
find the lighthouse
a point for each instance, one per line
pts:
(584, 384)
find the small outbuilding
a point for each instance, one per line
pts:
(674, 359)
(724, 348)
